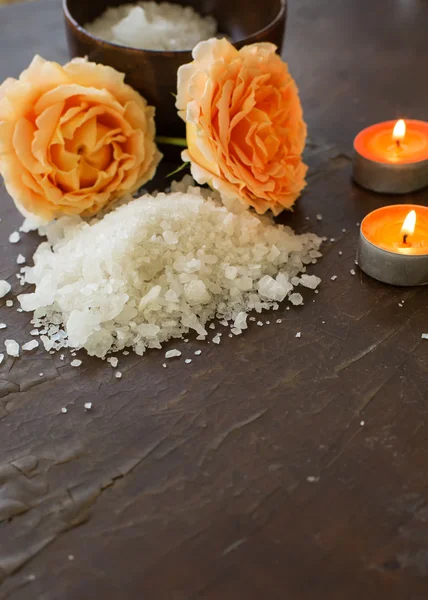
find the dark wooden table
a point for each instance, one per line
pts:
(192, 482)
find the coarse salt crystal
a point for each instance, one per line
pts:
(312, 479)
(30, 345)
(88, 405)
(362, 423)
(198, 352)
(217, 339)
(332, 240)
(279, 321)
(352, 271)
(188, 361)
(63, 410)
(319, 217)
(343, 230)
(424, 336)
(260, 323)
(76, 363)
(20, 260)
(1, 358)
(310, 281)
(9, 303)
(118, 375)
(113, 360)
(12, 348)
(298, 334)
(172, 354)
(334, 277)
(164, 365)
(296, 299)
(5, 288)
(14, 237)
(340, 252)
(211, 326)
(3, 325)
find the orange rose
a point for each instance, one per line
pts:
(245, 128)
(73, 138)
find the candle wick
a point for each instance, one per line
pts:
(398, 143)
(405, 236)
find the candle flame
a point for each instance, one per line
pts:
(399, 131)
(408, 225)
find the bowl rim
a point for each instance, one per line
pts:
(183, 53)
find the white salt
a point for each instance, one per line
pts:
(279, 321)
(319, 217)
(106, 284)
(260, 323)
(1, 358)
(312, 479)
(153, 26)
(424, 336)
(188, 361)
(198, 352)
(118, 375)
(88, 405)
(362, 423)
(296, 299)
(352, 271)
(3, 325)
(14, 237)
(30, 345)
(113, 360)
(5, 288)
(298, 334)
(9, 303)
(64, 410)
(20, 259)
(334, 277)
(310, 281)
(12, 348)
(76, 363)
(217, 339)
(172, 354)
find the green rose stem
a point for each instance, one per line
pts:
(171, 141)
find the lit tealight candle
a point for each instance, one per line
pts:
(392, 157)
(393, 246)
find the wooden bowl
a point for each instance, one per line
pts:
(154, 73)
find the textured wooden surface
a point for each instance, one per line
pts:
(191, 483)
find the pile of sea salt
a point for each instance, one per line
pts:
(159, 267)
(153, 26)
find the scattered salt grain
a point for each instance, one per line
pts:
(12, 348)
(279, 321)
(362, 423)
(217, 339)
(76, 363)
(30, 345)
(113, 361)
(164, 365)
(332, 240)
(118, 375)
(64, 410)
(1, 358)
(3, 325)
(5, 288)
(9, 303)
(334, 277)
(298, 334)
(252, 319)
(188, 361)
(172, 354)
(312, 479)
(88, 405)
(41, 374)
(343, 230)
(61, 357)
(310, 281)
(319, 217)
(125, 353)
(352, 271)
(340, 252)
(153, 26)
(211, 326)
(358, 224)
(70, 557)
(260, 323)
(296, 299)
(198, 352)
(424, 336)
(19, 310)
(20, 259)
(14, 237)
